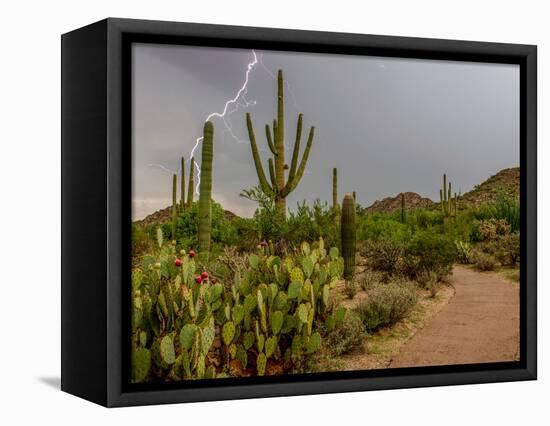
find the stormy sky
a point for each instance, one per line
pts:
(388, 124)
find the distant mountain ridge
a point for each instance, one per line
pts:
(390, 204)
(505, 182)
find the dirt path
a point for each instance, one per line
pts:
(479, 324)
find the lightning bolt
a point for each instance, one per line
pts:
(241, 94)
(231, 106)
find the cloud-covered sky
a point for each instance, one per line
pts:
(388, 124)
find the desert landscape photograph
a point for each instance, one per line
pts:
(300, 212)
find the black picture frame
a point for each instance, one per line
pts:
(96, 178)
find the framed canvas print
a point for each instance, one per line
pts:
(252, 212)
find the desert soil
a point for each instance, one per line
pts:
(479, 324)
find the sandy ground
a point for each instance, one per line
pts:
(379, 348)
(479, 324)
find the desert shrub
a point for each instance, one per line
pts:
(504, 208)
(484, 262)
(429, 280)
(311, 223)
(350, 288)
(347, 335)
(491, 229)
(425, 219)
(508, 252)
(382, 255)
(428, 251)
(376, 226)
(306, 223)
(386, 304)
(464, 252)
(141, 240)
(223, 231)
(371, 278)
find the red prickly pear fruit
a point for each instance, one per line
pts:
(178, 262)
(198, 279)
(204, 275)
(191, 254)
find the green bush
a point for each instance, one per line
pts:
(491, 229)
(376, 226)
(372, 278)
(347, 336)
(508, 252)
(428, 251)
(425, 219)
(386, 304)
(484, 262)
(382, 255)
(223, 231)
(305, 224)
(464, 252)
(505, 208)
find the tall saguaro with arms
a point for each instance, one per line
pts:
(277, 188)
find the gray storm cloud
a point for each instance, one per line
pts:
(388, 124)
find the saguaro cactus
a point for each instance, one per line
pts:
(182, 201)
(278, 189)
(348, 237)
(191, 188)
(205, 195)
(174, 205)
(335, 205)
(446, 199)
(402, 207)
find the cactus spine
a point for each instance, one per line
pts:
(277, 188)
(182, 201)
(174, 205)
(348, 237)
(191, 188)
(402, 207)
(205, 196)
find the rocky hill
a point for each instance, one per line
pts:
(165, 215)
(506, 182)
(389, 204)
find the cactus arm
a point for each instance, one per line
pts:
(272, 173)
(269, 140)
(292, 184)
(256, 155)
(296, 151)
